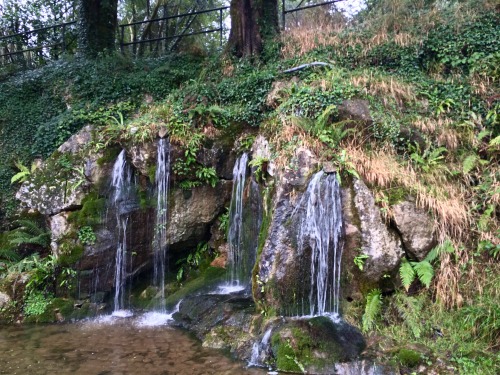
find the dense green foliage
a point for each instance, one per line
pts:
(430, 76)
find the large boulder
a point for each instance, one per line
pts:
(380, 243)
(219, 321)
(51, 196)
(193, 211)
(357, 111)
(281, 266)
(416, 228)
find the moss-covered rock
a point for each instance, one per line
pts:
(315, 345)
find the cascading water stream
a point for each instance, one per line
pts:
(321, 231)
(259, 349)
(235, 232)
(162, 180)
(121, 183)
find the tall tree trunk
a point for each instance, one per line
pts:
(253, 24)
(97, 24)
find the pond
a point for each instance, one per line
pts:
(109, 346)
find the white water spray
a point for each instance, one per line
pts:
(236, 222)
(121, 183)
(321, 231)
(162, 180)
(259, 349)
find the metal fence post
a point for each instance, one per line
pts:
(220, 25)
(122, 35)
(283, 14)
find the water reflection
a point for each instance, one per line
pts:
(101, 349)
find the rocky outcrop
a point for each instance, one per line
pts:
(381, 244)
(416, 228)
(281, 266)
(192, 212)
(77, 142)
(52, 196)
(143, 156)
(357, 111)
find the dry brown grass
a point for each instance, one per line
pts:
(384, 86)
(285, 135)
(447, 202)
(309, 35)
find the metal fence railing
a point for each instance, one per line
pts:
(33, 47)
(160, 35)
(164, 34)
(300, 8)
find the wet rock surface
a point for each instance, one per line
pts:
(219, 321)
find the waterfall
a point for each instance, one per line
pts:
(162, 179)
(259, 349)
(235, 234)
(121, 183)
(321, 231)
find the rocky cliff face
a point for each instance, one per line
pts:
(75, 178)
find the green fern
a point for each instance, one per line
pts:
(9, 255)
(29, 232)
(372, 309)
(435, 253)
(409, 309)
(470, 163)
(495, 142)
(407, 273)
(424, 271)
(23, 174)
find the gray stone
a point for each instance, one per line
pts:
(303, 164)
(280, 262)
(192, 212)
(261, 149)
(143, 156)
(51, 197)
(356, 110)
(382, 245)
(330, 343)
(77, 142)
(58, 227)
(416, 228)
(4, 300)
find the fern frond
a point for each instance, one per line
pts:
(9, 255)
(469, 163)
(407, 274)
(425, 272)
(445, 247)
(372, 309)
(482, 134)
(29, 226)
(322, 119)
(29, 232)
(409, 308)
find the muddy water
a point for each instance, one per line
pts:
(102, 348)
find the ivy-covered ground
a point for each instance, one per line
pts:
(430, 72)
